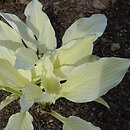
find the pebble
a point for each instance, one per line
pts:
(50, 121)
(98, 4)
(102, 4)
(115, 46)
(24, 2)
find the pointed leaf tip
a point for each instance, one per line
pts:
(76, 123)
(94, 25)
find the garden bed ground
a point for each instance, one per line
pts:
(114, 42)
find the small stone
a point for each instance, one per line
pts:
(98, 4)
(50, 121)
(25, 2)
(115, 46)
(102, 4)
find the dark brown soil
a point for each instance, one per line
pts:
(114, 42)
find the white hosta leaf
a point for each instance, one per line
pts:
(49, 81)
(45, 98)
(7, 54)
(76, 123)
(20, 121)
(94, 25)
(88, 82)
(88, 60)
(54, 59)
(26, 74)
(8, 74)
(7, 101)
(37, 71)
(21, 28)
(25, 58)
(9, 38)
(30, 93)
(35, 18)
(82, 48)
(63, 72)
(3, 83)
(26, 103)
(47, 39)
(40, 24)
(70, 44)
(102, 101)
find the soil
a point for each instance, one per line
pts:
(114, 42)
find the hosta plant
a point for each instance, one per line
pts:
(33, 70)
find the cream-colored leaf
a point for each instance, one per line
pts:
(102, 101)
(10, 76)
(47, 39)
(88, 82)
(49, 81)
(82, 48)
(21, 28)
(25, 103)
(54, 59)
(88, 60)
(37, 71)
(30, 93)
(7, 54)
(76, 123)
(9, 38)
(94, 25)
(7, 101)
(32, 90)
(63, 72)
(35, 18)
(45, 98)
(20, 121)
(40, 24)
(27, 74)
(25, 58)
(3, 83)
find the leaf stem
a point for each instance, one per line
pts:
(58, 116)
